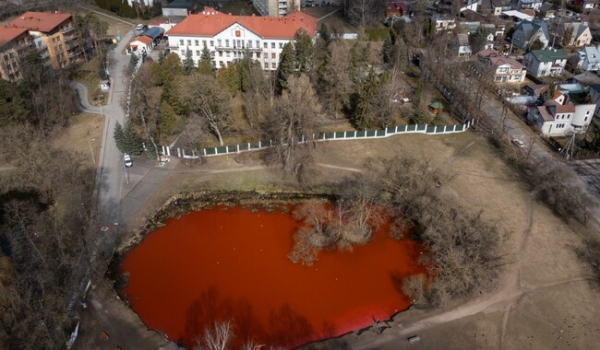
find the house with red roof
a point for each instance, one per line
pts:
(230, 38)
(558, 116)
(397, 9)
(14, 44)
(54, 36)
(506, 69)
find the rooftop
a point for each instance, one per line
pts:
(9, 33)
(211, 22)
(550, 55)
(41, 21)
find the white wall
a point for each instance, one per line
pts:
(145, 2)
(227, 47)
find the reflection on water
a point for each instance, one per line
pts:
(218, 265)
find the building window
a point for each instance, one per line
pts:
(181, 42)
(273, 55)
(281, 45)
(585, 119)
(203, 42)
(189, 43)
(272, 45)
(218, 42)
(257, 44)
(220, 63)
(266, 45)
(249, 44)
(227, 54)
(220, 53)
(197, 42)
(265, 55)
(197, 52)
(234, 53)
(226, 42)
(587, 113)
(211, 43)
(182, 52)
(273, 65)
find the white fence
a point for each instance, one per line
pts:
(323, 136)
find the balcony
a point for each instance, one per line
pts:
(66, 30)
(238, 48)
(69, 37)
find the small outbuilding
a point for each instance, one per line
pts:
(177, 8)
(104, 85)
(140, 46)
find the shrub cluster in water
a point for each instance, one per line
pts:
(465, 251)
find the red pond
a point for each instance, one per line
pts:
(232, 265)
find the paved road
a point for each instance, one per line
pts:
(84, 103)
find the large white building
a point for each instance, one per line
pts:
(230, 37)
(559, 117)
(145, 2)
(276, 8)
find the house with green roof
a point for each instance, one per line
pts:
(544, 63)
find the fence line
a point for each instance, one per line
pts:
(320, 137)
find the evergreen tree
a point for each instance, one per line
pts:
(188, 63)
(305, 51)
(230, 78)
(133, 61)
(359, 62)
(364, 100)
(325, 33)
(286, 67)
(206, 65)
(131, 143)
(386, 49)
(119, 137)
(167, 119)
(14, 108)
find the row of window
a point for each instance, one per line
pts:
(234, 43)
(234, 54)
(222, 64)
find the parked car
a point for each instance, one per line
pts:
(139, 27)
(127, 160)
(518, 143)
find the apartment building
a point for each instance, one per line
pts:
(276, 8)
(53, 34)
(231, 38)
(14, 44)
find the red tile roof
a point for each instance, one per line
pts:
(143, 39)
(9, 33)
(211, 22)
(41, 21)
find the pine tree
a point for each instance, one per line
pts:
(119, 137)
(325, 33)
(205, 65)
(166, 119)
(230, 78)
(386, 49)
(286, 67)
(188, 63)
(133, 61)
(365, 98)
(132, 143)
(305, 51)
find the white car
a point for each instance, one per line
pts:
(127, 160)
(518, 143)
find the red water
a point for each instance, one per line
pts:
(232, 265)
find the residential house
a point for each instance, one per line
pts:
(585, 79)
(461, 45)
(589, 58)
(443, 22)
(230, 38)
(536, 89)
(547, 10)
(499, 6)
(396, 9)
(594, 94)
(521, 5)
(180, 8)
(507, 70)
(587, 4)
(543, 63)
(527, 32)
(54, 34)
(276, 8)
(559, 117)
(580, 34)
(14, 45)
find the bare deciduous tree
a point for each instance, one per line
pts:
(206, 99)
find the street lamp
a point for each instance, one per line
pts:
(91, 151)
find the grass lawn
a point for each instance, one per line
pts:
(79, 134)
